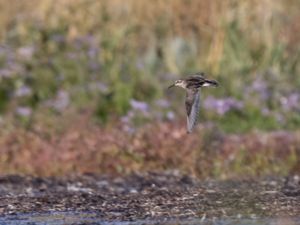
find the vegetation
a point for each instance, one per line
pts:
(111, 61)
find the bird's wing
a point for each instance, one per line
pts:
(197, 76)
(195, 81)
(192, 104)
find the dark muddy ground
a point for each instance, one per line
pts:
(150, 197)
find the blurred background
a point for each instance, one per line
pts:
(83, 86)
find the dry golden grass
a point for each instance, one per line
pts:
(183, 15)
(265, 22)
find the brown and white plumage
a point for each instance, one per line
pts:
(192, 84)
(192, 105)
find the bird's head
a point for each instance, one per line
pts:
(179, 83)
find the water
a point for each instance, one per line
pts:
(62, 218)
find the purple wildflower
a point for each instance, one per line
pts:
(290, 102)
(24, 111)
(279, 118)
(127, 122)
(163, 103)
(61, 101)
(94, 66)
(2, 50)
(72, 55)
(125, 119)
(170, 115)
(129, 129)
(261, 87)
(139, 105)
(265, 111)
(23, 91)
(99, 86)
(140, 65)
(14, 67)
(222, 106)
(92, 52)
(11, 68)
(8, 52)
(58, 38)
(26, 52)
(5, 72)
(86, 40)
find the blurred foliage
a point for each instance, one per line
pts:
(101, 55)
(82, 147)
(62, 61)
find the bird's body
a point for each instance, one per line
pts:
(192, 84)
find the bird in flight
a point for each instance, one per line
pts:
(192, 84)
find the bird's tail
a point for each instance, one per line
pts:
(212, 83)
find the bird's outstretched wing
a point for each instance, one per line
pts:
(192, 104)
(198, 75)
(197, 81)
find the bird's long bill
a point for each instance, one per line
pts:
(173, 85)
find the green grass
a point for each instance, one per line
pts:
(137, 55)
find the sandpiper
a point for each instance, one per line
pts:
(192, 84)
